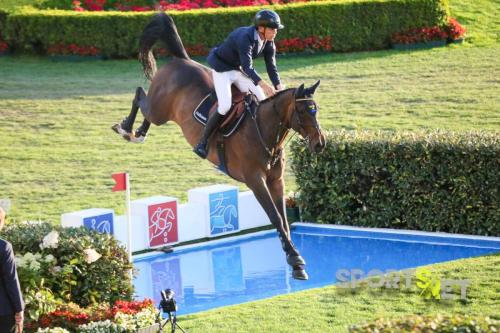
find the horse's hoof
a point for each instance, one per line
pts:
(300, 274)
(295, 260)
(124, 134)
(137, 139)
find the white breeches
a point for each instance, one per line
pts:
(223, 81)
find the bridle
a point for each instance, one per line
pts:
(275, 153)
(312, 112)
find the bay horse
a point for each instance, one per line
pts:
(254, 154)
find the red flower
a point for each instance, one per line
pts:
(311, 44)
(454, 29)
(180, 5)
(77, 6)
(132, 307)
(3, 46)
(72, 49)
(418, 35)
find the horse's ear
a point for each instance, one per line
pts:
(300, 91)
(316, 85)
(310, 91)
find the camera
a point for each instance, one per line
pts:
(168, 306)
(168, 303)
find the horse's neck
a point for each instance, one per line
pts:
(273, 117)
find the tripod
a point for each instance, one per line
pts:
(172, 318)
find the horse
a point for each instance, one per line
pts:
(254, 154)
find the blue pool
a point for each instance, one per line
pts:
(251, 267)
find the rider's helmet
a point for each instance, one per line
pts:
(268, 18)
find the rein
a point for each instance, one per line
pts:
(275, 153)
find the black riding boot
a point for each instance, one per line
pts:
(213, 123)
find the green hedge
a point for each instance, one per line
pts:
(438, 181)
(428, 324)
(3, 19)
(353, 24)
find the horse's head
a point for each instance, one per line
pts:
(304, 119)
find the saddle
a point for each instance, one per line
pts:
(233, 118)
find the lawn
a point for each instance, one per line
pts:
(57, 152)
(333, 309)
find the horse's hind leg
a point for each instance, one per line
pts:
(125, 127)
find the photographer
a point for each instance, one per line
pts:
(11, 300)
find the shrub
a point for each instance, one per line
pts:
(435, 181)
(3, 45)
(428, 324)
(75, 264)
(350, 24)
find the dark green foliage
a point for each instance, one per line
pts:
(353, 25)
(105, 280)
(435, 181)
(3, 18)
(428, 324)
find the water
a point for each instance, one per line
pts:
(241, 270)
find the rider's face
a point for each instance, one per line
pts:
(268, 33)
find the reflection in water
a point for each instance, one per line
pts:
(233, 272)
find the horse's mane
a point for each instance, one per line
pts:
(279, 93)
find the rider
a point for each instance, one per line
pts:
(231, 63)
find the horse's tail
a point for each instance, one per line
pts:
(162, 28)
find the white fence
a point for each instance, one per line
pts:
(160, 220)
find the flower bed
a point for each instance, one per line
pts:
(61, 265)
(311, 44)
(149, 5)
(122, 317)
(75, 280)
(72, 49)
(427, 35)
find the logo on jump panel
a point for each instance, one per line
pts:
(223, 212)
(163, 223)
(101, 223)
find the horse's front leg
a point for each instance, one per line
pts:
(276, 188)
(261, 191)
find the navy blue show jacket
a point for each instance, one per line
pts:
(238, 51)
(11, 300)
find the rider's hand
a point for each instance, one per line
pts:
(19, 321)
(268, 90)
(280, 87)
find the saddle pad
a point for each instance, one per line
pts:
(208, 104)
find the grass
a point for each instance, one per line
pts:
(333, 309)
(57, 152)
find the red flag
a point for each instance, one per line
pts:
(121, 181)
